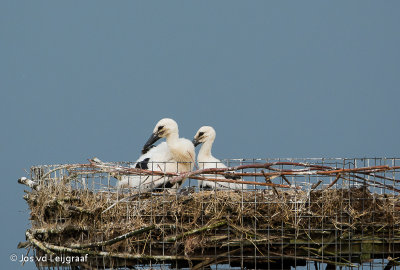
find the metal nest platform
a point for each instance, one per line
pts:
(310, 213)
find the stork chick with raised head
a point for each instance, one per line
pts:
(175, 155)
(205, 160)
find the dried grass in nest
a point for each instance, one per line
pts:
(189, 225)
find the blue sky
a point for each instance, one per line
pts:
(274, 78)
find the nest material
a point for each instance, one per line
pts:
(207, 226)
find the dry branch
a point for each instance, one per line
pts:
(59, 230)
(334, 181)
(120, 255)
(207, 227)
(268, 180)
(208, 262)
(240, 182)
(23, 244)
(314, 186)
(114, 240)
(314, 259)
(75, 208)
(37, 243)
(28, 182)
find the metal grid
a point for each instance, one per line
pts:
(342, 244)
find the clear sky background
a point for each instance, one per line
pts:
(275, 78)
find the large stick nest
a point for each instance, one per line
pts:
(207, 227)
(189, 225)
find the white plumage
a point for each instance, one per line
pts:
(174, 155)
(205, 160)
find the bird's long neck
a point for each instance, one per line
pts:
(174, 147)
(172, 139)
(205, 150)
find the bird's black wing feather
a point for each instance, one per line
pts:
(143, 164)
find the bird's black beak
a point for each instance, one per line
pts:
(153, 138)
(196, 142)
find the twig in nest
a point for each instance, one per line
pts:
(334, 181)
(224, 255)
(57, 169)
(239, 182)
(207, 227)
(268, 180)
(75, 208)
(312, 259)
(286, 180)
(23, 244)
(114, 240)
(38, 243)
(60, 229)
(392, 262)
(28, 182)
(332, 239)
(128, 256)
(316, 185)
(180, 177)
(136, 195)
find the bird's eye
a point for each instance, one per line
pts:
(201, 134)
(160, 127)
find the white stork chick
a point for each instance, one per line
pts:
(175, 155)
(205, 160)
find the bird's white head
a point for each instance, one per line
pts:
(163, 128)
(204, 134)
